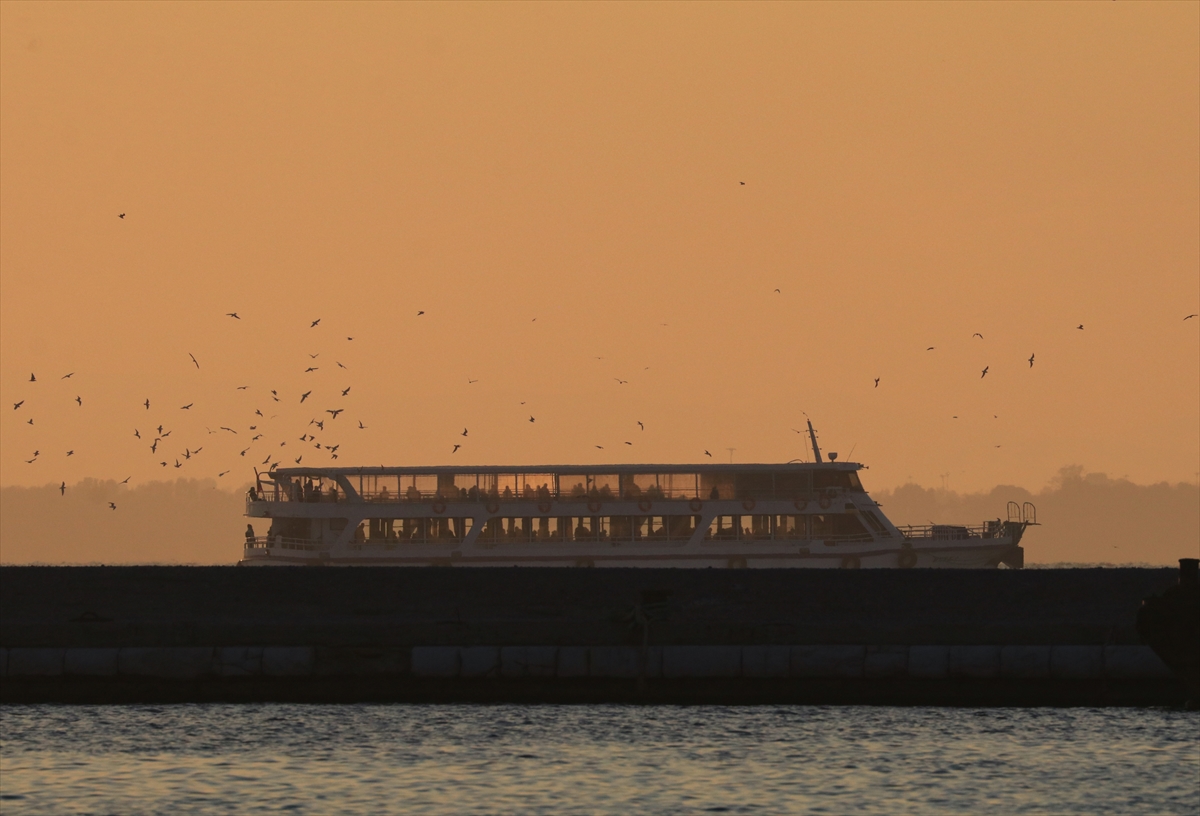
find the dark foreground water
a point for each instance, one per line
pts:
(463, 759)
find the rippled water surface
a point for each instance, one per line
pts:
(464, 759)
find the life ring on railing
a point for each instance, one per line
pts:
(907, 558)
(800, 504)
(826, 501)
(851, 562)
(696, 505)
(593, 506)
(493, 507)
(644, 505)
(748, 505)
(543, 507)
(439, 507)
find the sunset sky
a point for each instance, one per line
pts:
(594, 205)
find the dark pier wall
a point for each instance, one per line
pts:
(972, 636)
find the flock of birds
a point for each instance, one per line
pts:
(315, 437)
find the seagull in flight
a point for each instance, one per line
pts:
(342, 366)
(126, 481)
(112, 505)
(32, 378)
(1080, 327)
(361, 427)
(314, 323)
(136, 433)
(311, 368)
(231, 430)
(79, 400)
(977, 334)
(1031, 356)
(985, 371)
(72, 374)
(531, 419)
(304, 396)
(709, 455)
(242, 387)
(420, 313)
(314, 356)
(70, 453)
(640, 425)
(464, 433)
(187, 407)
(1189, 317)
(62, 489)
(470, 382)
(456, 447)
(334, 413)
(620, 381)
(222, 473)
(194, 359)
(234, 315)
(629, 443)
(931, 348)
(876, 382)
(599, 447)
(260, 413)
(154, 447)
(120, 215)
(17, 405)
(147, 403)
(347, 391)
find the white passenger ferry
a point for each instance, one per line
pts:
(788, 515)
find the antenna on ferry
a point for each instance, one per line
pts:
(812, 435)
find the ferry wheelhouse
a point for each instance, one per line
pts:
(732, 516)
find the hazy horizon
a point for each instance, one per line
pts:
(1085, 518)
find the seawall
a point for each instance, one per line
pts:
(974, 637)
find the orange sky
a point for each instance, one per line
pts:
(913, 174)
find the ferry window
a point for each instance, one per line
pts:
(848, 524)
(535, 485)
(793, 485)
(722, 483)
(678, 485)
(415, 488)
(821, 526)
(755, 485)
(639, 484)
(829, 479)
(572, 486)
(605, 486)
(874, 522)
(790, 527)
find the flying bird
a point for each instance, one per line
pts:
(420, 313)
(742, 183)
(931, 348)
(17, 405)
(222, 473)
(876, 382)
(531, 419)
(456, 447)
(62, 489)
(311, 368)
(72, 374)
(640, 425)
(314, 323)
(31, 461)
(154, 447)
(599, 447)
(298, 458)
(120, 215)
(314, 356)
(242, 387)
(231, 430)
(178, 464)
(985, 371)
(620, 381)
(194, 360)
(136, 433)
(147, 403)
(126, 481)
(470, 382)
(112, 506)
(628, 443)
(79, 400)
(187, 407)
(1189, 317)
(234, 315)
(464, 433)
(32, 378)
(70, 453)
(347, 391)
(334, 413)
(1080, 327)
(361, 427)
(260, 413)
(778, 292)
(342, 366)
(1031, 356)
(977, 334)
(31, 420)
(709, 455)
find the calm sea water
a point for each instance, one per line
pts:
(463, 759)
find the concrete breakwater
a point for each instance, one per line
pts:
(872, 636)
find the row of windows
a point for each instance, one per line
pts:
(844, 526)
(534, 487)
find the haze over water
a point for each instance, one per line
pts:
(373, 759)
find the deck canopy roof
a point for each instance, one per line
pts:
(562, 470)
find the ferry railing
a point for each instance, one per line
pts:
(426, 497)
(280, 542)
(954, 532)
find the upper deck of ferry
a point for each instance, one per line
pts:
(789, 481)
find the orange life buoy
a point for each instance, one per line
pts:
(748, 504)
(644, 505)
(593, 506)
(493, 507)
(543, 507)
(825, 501)
(907, 559)
(439, 506)
(696, 505)
(851, 562)
(800, 504)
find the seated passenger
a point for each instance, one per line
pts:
(412, 494)
(633, 492)
(527, 493)
(508, 494)
(473, 493)
(606, 493)
(715, 494)
(577, 492)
